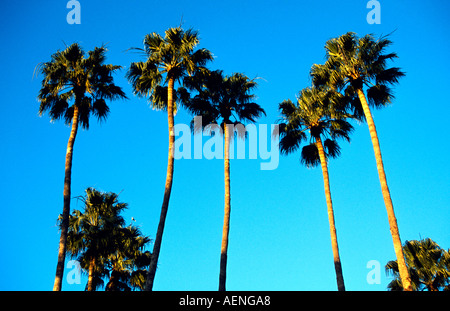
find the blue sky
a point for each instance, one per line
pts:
(279, 234)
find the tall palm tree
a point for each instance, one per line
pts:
(352, 64)
(314, 113)
(428, 265)
(169, 60)
(74, 87)
(225, 101)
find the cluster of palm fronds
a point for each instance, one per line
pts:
(428, 265)
(104, 246)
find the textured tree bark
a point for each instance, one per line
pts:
(227, 211)
(403, 270)
(167, 190)
(66, 209)
(90, 284)
(334, 242)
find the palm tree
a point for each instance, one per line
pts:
(314, 113)
(428, 264)
(75, 87)
(352, 64)
(169, 60)
(225, 101)
(139, 274)
(91, 232)
(102, 244)
(127, 262)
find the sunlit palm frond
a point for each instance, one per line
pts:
(427, 265)
(321, 112)
(172, 56)
(358, 62)
(290, 138)
(71, 79)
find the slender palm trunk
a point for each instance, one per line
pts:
(227, 210)
(404, 274)
(167, 190)
(66, 209)
(113, 280)
(334, 242)
(90, 284)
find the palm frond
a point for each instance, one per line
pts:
(287, 109)
(379, 95)
(332, 149)
(389, 76)
(310, 155)
(290, 138)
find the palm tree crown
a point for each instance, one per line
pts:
(223, 99)
(103, 245)
(428, 265)
(353, 63)
(315, 113)
(171, 57)
(86, 82)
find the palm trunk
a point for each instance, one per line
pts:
(334, 242)
(66, 209)
(404, 274)
(226, 220)
(167, 190)
(113, 280)
(90, 284)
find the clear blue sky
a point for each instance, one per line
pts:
(279, 236)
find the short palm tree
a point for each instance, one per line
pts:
(169, 59)
(102, 244)
(75, 87)
(314, 114)
(352, 64)
(92, 232)
(127, 262)
(428, 264)
(225, 101)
